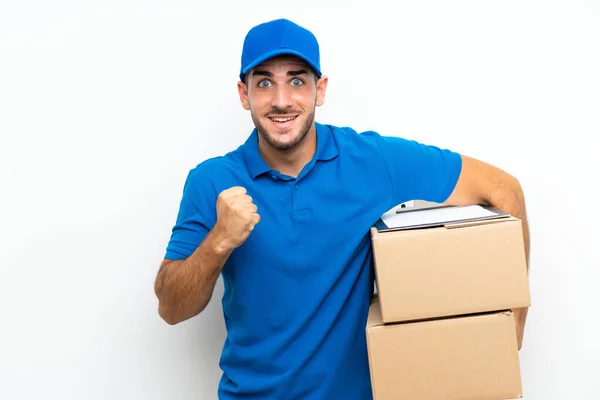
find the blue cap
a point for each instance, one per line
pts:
(278, 37)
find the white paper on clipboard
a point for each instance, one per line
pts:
(437, 216)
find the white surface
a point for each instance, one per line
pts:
(104, 107)
(435, 216)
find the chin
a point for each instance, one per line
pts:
(286, 144)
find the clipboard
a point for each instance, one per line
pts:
(439, 216)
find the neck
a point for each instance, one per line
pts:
(292, 161)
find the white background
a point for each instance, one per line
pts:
(106, 105)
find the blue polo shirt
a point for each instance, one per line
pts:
(297, 291)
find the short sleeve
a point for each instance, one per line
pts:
(419, 171)
(196, 216)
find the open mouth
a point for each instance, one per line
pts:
(283, 121)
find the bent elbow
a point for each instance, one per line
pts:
(517, 189)
(173, 317)
(167, 315)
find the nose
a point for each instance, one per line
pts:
(282, 98)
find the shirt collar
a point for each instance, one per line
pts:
(326, 150)
(254, 162)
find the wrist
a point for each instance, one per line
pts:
(219, 243)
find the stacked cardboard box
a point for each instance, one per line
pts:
(441, 326)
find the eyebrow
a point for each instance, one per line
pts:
(297, 72)
(290, 73)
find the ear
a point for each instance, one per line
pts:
(321, 89)
(243, 92)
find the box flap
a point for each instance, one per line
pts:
(374, 318)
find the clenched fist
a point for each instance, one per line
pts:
(236, 216)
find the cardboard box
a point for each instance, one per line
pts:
(467, 357)
(455, 269)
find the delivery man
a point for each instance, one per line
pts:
(285, 220)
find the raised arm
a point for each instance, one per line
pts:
(184, 287)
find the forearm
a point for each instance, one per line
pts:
(511, 199)
(185, 287)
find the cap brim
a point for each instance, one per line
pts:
(275, 53)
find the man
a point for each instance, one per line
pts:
(285, 219)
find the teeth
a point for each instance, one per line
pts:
(282, 119)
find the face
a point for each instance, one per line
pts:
(281, 95)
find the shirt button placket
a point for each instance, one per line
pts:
(294, 188)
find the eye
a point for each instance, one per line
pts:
(297, 82)
(264, 84)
